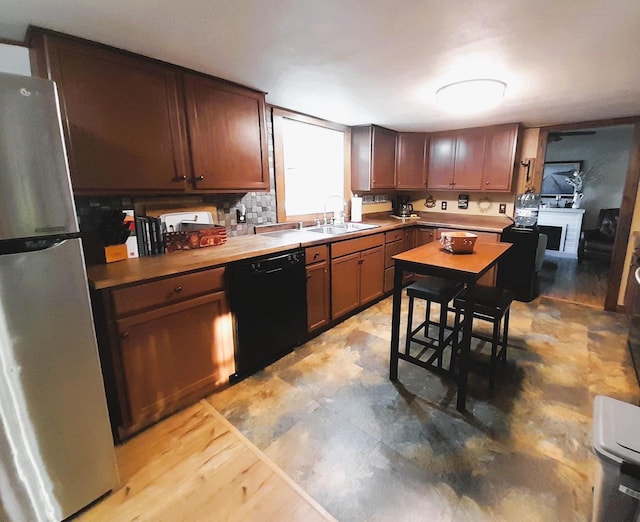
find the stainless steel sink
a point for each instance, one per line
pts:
(340, 229)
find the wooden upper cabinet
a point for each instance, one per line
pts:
(478, 159)
(499, 157)
(469, 157)
(411, 161)
(442, 154)
(122, 116)
(373, 158)
(227, 135)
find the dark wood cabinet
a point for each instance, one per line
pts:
(394, 242)
(455, 160)
(135, 125)
(469, 159)
(442, 153)
(424, 235)
(170, 343)
(499, 157)
(171, 356)
(357, 273)
(411, 161)
(122, 116)
(479, 159)
(318, 287)
(373, 158)
(227, 135)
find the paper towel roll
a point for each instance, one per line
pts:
(356, 209)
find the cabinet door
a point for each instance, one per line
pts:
(371, 274)
(122, 118)
(227, 135)
(411, 167)
(345, 284)
(469, 159)
(318, 296)
(175, 355)
(442, 150)
(383, 166)
(499, 158)
(424, 235)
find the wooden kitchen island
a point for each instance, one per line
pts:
(432, 259)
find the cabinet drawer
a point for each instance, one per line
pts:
(394, 235)
(356, 245)
(390, 250)
(315, 254)
(166, 291)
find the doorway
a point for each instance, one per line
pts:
(608, 172)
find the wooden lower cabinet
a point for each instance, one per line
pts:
(357, 275)
(172, 350)
(409, 238)
(424, 235)
(318, 288)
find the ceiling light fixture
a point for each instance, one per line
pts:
(470, 95)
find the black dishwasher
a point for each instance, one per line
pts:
(268, 297)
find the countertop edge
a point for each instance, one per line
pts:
(138, 270)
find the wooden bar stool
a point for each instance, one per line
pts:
(490, 304)
(437, 290)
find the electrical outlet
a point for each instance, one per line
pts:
(503, 208)
(443, 205)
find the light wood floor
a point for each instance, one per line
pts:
(196, 466)
(566, 280)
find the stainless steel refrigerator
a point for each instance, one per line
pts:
(56, 447)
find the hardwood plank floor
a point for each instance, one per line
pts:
(196, 466)
(566, 280)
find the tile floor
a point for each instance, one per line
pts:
(368, 449)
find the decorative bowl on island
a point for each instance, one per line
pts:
(458, 242)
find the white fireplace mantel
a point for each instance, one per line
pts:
(570, 221)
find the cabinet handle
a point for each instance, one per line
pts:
(124, 335)
(316, 255)
(177, 289)
(486, 182)
(180, 178)
(199, 178)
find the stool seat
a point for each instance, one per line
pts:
(489, 304)
(432, 290)
(487, 300)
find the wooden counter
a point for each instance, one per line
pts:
(245, 247)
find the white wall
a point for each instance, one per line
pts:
(605, 158)
(14, 59)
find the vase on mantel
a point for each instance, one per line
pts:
(577, 197)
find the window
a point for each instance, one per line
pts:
(310, 165)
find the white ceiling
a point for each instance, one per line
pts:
(380, 61)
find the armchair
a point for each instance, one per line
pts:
(598, 243)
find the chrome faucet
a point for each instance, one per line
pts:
(338, 215)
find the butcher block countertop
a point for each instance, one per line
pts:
(132, 271)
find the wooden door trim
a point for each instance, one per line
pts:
(627, 205)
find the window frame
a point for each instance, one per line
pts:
(278, 115)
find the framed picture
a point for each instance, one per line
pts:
(554, 177)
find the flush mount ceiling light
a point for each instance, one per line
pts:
(470, 95)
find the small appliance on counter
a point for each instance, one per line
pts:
(402, 207)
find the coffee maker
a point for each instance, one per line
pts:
(402, 207)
